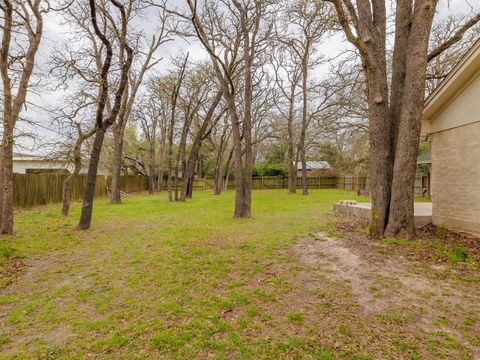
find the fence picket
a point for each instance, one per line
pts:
(40, 189)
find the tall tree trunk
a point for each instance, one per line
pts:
(1, 185)
(190, 185)
(227, 170)
(249, 50)
(304, 173)
(66, 194)
(175, 183)
(1, 181)
(181, 159)
(238, 164)
(401, 217)
(197, 143)
(160, 180)
(77, 167)
(115, 195)
(292, 166)
(128, 102)
(151, 175)
(170, 162)
(151, 166)
(218, 173)
(402, 30)
(394, 128)
(118, 142)
(7, 186)
(103, 124)
(172, 170)
(380, 167)
(89, 194)
(181, 163)
(292, 178)
(189, 171)
(30, 22)
(304, 124)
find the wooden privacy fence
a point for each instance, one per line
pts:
(40, 189)
(198, 184)
(131, 183)
(276, 182)
(352, 182)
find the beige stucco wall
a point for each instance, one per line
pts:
(456, 176)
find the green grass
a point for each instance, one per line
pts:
(6, 252)
(457, 253)
(154, 278)
(296, 317)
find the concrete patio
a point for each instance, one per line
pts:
(422, 211)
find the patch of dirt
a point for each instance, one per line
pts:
(342, 264)
(58, 336)
(394, 283)
(11, 269)
(363, 296)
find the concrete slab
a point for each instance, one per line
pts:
(422, 211)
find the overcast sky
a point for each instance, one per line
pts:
(55, 32)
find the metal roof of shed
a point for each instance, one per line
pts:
(315, 165)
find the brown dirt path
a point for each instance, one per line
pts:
(407, 303)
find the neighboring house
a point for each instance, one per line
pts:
(314, 168)
(424, 173)
(451, 120)
(36, 164)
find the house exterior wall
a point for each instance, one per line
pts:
(456, 175)
(451, 118)
(462, 110)
(21, 166)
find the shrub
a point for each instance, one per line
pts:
(457, 253)
(270, 170)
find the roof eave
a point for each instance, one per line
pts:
(458, 77)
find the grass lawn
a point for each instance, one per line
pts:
(185, 280)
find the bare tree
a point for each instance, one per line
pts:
(395, 107)
(207, 123)
(221, 147)
(148, 114)
(288, 74)
(76, 63)
(153, 113)
(309, 17)
(163, 122)
(194, 95)
(226, 29)
(102, 124)
(174, 93)
(146, 61)
(22, 32)
(454, 27)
